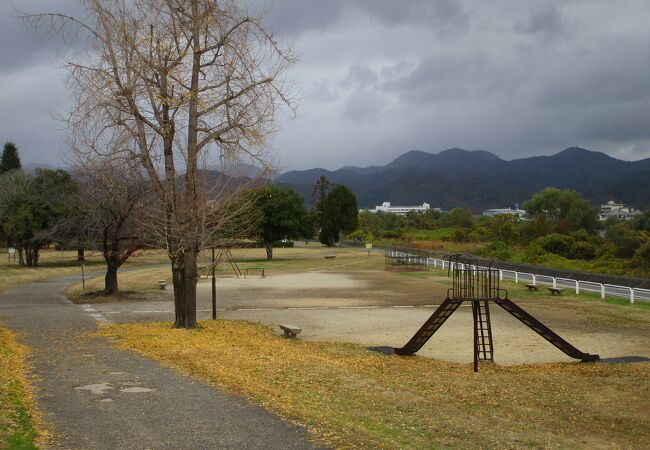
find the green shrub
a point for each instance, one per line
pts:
(497, 249)
(642, 254)
(460, 235)
(626, 239)
(391, 234)
(582, 250)
(534, 253)
(559, 244)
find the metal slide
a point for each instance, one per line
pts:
(439, 316)
(541, 329)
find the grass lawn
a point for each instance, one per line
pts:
(350, 397)
(17, 412)
(143, 283)
(54, 264)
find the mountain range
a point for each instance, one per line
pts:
(480, 180)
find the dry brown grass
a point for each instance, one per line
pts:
(143, 283)
(350, 397)
(54, 264)
(19, 419)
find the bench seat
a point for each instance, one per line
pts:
(290, 330)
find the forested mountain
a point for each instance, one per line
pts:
(479, 179)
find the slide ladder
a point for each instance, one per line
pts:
(439, 316)
(544, 331)
(482, 331)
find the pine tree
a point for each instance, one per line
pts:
(9, 160)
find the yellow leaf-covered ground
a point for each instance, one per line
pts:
(17, 412)
(350, 397)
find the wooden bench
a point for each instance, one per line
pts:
(555, 291)
(330, 256)
(290, 330)
(261, 269)
(531, 287)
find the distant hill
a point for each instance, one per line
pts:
(480, 180)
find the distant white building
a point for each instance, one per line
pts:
(497, 211)
(618, 210)
(400, 210)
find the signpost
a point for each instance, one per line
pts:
(11, 253)
(369, 247)
(81, 258)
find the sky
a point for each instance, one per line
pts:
(377, 78)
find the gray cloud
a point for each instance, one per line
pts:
(546, 20)
(295, 16)
(380, 77)
(21, 45)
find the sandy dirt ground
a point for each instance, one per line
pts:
(377, 308)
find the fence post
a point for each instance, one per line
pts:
(602, 291)
(500, 275)
(516, 277)
(577, 287)
(554, 282)
(534, 279)
(631, 295)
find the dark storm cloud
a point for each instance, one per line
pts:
(380, 77)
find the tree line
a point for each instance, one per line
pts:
(558, 223)
(105, 208)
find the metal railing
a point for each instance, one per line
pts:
(603, 290)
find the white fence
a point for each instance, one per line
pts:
(604, 290)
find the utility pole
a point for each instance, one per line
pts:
(214, 289)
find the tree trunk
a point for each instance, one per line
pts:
(21, 258)
(110, 279)
(36, 256)
(185, 276)
(269, 250)
(29, 257)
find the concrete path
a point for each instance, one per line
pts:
(97, 397)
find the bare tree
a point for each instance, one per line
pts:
(174, 84)
(111, 204)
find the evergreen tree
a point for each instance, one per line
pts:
(9, 160)
(282, 215)
(339, 213)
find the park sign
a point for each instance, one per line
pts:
(368, 246)
(11, 250)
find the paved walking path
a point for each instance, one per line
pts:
(95, 396)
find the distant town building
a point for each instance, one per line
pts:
(401, 210)
(618, 210)
(497, 211)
